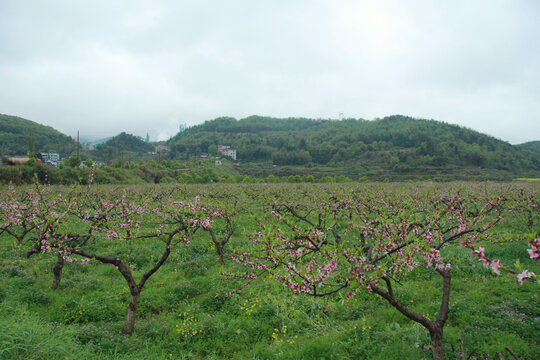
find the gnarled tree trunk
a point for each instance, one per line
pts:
(219, 244)
(132, 312)
(219, 249)
(436, 336)
(435, 328)
(57, 271)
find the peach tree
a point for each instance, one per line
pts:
(372, 241)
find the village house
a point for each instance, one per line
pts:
(227, 151)
(162, 149)
(52, 159)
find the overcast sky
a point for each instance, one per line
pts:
(103, 67)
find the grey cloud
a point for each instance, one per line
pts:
(103, 67)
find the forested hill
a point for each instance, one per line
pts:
(17, 135)
(122, 145)
(392, 148)
(533, 146)
(392, 145)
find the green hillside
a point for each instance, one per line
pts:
(126, 146)
(533, 146)
(17, 134)
(395, 147)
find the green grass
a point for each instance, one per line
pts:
(183, 313)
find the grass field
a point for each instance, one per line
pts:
(184, 311)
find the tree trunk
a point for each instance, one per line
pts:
(436, 335)
(132, 313)
(219, 249)
(435, 328)
(57, 271)
(134, 289)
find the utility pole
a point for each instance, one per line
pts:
(78, 146)
(31, 143)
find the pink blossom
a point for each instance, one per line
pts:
(525, 275)
(276, 215)
(206, 223)
(533, 251)
(495, 266)
(479, 252)
(481, 256)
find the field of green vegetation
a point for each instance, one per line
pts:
(270, 271)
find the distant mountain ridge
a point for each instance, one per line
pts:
(124, 142)
(392, 148)
(533, 146)
(395, 145)
(17, 133)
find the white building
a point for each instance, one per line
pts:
(52, 159)
(227, 151)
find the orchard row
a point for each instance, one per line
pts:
(314, 239)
